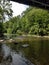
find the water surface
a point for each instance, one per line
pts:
(35, 53)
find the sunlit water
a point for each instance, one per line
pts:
(26, 53)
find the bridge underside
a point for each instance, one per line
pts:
(37, 3)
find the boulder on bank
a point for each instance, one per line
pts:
(1, 41)
(12, 41)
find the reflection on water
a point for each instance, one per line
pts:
(10, 57)
(5, 56)
(37, 53)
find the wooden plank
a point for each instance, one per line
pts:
(37, 3)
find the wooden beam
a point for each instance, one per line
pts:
(37, 3)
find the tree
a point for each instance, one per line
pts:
(5, 12)
(32, 21)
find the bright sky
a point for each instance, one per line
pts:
(18, 8)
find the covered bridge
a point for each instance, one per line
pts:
(37, 3)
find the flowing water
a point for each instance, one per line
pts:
(25, 53)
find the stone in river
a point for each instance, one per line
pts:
(25, 45)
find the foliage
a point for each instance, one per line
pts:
(5, 9)
(32, 21)
(5, 13)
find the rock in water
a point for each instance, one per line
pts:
(25, 45)
(1, 41)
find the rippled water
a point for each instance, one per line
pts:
(25, 53)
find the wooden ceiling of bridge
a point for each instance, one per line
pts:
(37, 3)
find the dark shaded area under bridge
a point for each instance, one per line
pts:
(37, 3)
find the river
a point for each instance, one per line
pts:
(25, 53)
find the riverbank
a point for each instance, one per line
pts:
(36, 36)
(23, 38)
(27, 35)
(28, 38)
(32, 36)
